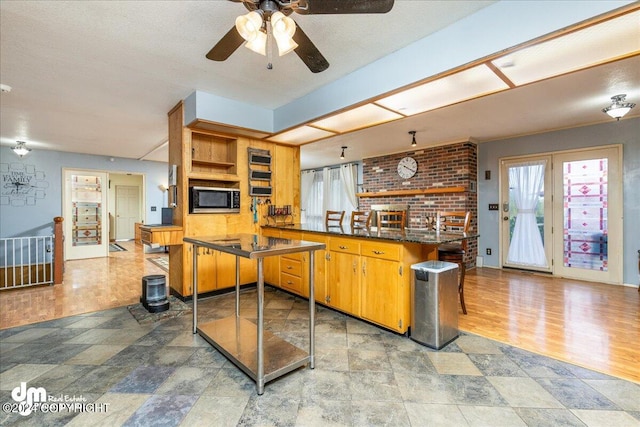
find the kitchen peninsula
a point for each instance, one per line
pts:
(363, 272)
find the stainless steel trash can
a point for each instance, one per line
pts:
(434, 293)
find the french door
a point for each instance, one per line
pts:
(85, 213)
(562, 213)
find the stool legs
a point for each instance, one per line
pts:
(463, 269)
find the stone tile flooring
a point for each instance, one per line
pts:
(162, 375)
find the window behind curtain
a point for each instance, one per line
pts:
(331, 196)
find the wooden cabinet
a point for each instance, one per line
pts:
(161, 236)
(215, 158)
(320, 267)
(343, 284)
(381, 296)
(137, 237)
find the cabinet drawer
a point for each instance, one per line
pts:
(291, 266)
(390, 251)
(348, 246)
(145, 237)
(292, 283)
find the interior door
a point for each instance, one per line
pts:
(526, 213)
(588, 214)
(127, 211)
(85, 213)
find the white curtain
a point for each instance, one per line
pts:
(314, 197)
(306, 186)
(349, 177)
(526, 182)
(329, 189)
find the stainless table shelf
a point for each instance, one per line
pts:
(260, 354)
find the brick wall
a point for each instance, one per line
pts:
(445, 166)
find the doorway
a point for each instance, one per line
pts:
(562, 213)
(85, 207)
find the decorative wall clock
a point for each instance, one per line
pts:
(21, 185)
(407, 167)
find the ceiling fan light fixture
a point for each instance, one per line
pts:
(249, 25)
(283, 30)
(618, 107)
(21, 149)
(258, 44)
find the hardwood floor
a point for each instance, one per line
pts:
(591, 325)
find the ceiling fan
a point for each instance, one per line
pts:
(269, 19)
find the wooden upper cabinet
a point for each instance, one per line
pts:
(213, 156)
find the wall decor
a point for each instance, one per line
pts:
(21, 184)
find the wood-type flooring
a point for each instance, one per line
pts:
(592, 325)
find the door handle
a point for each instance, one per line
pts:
(505, 218)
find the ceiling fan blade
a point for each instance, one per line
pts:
(226, 46)
(319, 7)
(308, 52)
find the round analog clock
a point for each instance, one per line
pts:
(407, 167)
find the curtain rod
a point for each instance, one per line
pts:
(331, 167)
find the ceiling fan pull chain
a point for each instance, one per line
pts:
(269, 45)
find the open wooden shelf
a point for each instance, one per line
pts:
(202, 162)
(437, 190)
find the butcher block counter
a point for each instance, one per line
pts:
(161, 235)
(363, 272)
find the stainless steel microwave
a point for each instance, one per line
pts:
(214, 200)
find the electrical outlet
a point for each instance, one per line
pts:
(488, 251)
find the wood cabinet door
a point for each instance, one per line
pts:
(343, 286)
(206, 271)
(380, 292)
(320, 268)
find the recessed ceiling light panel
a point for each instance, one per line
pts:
(301, 135)
(590, 46)
(358, 118)
(467, 84)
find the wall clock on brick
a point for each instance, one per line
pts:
(407, 167)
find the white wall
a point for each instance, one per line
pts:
(38, 219)
(625, 132)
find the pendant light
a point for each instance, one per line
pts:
(344, 147)
(413, 139)
(21, 149)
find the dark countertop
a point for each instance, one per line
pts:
(253, 246)
(410, 235)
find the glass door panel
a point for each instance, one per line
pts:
(589, 215)
(526, 213)
(85, 203)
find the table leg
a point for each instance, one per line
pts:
(194, 277)
(237, 286)
(312, 312)
(260, 374)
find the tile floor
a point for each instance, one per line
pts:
(163, 375)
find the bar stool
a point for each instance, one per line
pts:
(391, 219)
(455, 252)
(333, 218)
(360, 219)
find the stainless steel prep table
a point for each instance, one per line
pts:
(259, 353)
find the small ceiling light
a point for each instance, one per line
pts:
(413, 139)
(618, 107)
(5, 88)
(21, 149)
(344, 147)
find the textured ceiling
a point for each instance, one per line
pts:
(99, 77)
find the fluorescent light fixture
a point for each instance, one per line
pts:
(300, 135)
(590, 46)
(358, 118)
(467, 84)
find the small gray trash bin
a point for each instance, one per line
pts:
(434, 293)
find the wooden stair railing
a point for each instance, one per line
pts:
(58, 250)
